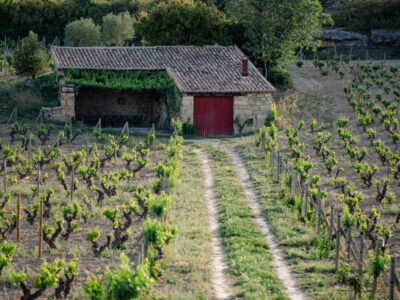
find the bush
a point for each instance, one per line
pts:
(299, 63)
(365, 15)
(82, 33)
(279, 77)
(189, 128)
(30, 59)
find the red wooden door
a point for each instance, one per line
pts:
(213, 115)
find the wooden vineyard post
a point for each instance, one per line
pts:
(87, 152)
(5, 176)
(348, 243)
(304, 196)
(30, 147)
(375, 281)
(319, 208)
(331, 224)
(360, 267)
(263, 140)
(38, 181)
(338, 232)
(18, 218)
(277, 166)
(40, 228)
(392, 277)
(272, 159)
(58, 148)
(72, 182)
(291, 181)
(115, 157)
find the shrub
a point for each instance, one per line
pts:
(279, 77)
(189, 128)
(30, 59)
(82, 33)
(299, 63)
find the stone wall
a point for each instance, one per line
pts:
(255, 107)
(66, 94)
(187, 108)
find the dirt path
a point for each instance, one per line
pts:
(281, 268)
(222, 284)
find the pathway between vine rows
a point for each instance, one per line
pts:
(281, 268)
(221, 283)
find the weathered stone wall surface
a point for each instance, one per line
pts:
(255, 107)
(66, 94)
(187, 108)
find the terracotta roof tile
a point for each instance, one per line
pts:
(195, 69)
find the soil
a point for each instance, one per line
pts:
(221, 282)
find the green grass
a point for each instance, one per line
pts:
(187, 274)
(248, 255)
(315, 276)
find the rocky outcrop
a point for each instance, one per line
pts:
(382, 36)
(341, 37)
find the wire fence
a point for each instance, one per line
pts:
(356, 53)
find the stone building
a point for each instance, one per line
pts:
(216, 84)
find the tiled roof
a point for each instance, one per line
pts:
(195, 69)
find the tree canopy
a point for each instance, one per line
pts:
(82, 33)
(184, 22)
(117, 29)
(274, 29)
(30, 59)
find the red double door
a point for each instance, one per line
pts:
(213, 116)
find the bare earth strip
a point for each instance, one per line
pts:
(281, 268)
(222, 284)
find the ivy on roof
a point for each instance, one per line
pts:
(121, 80)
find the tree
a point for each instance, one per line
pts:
(274, 29)
(82, 33)
(184, 22)
(30, 59)
(117, 29)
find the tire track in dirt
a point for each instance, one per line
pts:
(222, 284)
(281, 268)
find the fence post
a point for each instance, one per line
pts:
(18, 218)
(278, 166)
(72, 182)
(263, 139)
(272, 159)
(87, 152)
(331, 224)
(348, 243)
(38, 181)
(5, 176)
(115, 156)
(30, 147)
(360, 267)
(40, 228)
(392, 277)
(319, 209)
(338, 232)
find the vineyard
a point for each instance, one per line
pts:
(346, 173)
(83, 214)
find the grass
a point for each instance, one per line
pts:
(315, 276)
(187, 274)
(248, 256)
